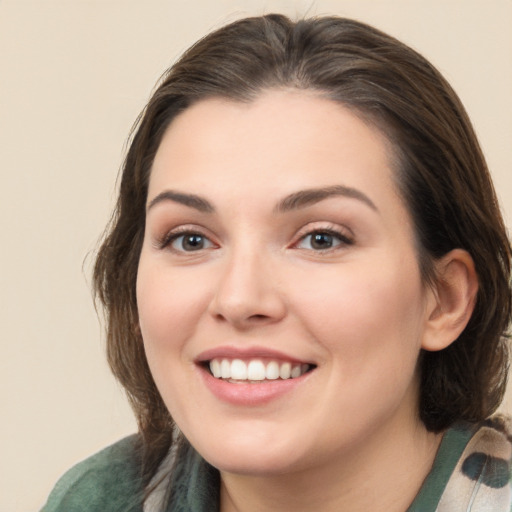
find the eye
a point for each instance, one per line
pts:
(323, 240)
(189, 242)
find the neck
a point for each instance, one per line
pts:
(383, 473)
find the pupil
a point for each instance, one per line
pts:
(193, 242)
(322, 241)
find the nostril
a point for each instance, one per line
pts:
(258, 317)
(246, 310)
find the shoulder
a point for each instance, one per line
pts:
(471, 470)
(109, 480)
(481, 476)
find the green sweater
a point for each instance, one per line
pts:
(471, 472)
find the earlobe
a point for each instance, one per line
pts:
(452, 300)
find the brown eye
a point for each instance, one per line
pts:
(322, 241)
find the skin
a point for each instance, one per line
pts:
(358, 310)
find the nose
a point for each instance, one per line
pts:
(248, 291)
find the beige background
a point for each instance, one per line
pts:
(73, 76)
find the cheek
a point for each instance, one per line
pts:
(364, 317)
(169, 305)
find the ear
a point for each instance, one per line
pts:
(451, 301)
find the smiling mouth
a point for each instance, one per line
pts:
(255, 371)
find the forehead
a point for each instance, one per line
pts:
(281, 141)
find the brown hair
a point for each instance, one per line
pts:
(440, 171)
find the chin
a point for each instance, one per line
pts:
(247, 465)
(260, 458)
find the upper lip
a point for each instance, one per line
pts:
(230, 352)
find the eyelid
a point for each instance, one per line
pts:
(165, 240)
(344, 234)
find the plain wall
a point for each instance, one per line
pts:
(73, 76)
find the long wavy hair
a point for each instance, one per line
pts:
(439, 169)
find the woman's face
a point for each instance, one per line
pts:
(279, 256)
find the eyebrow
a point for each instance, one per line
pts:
(294, 201)
(191, 200)
(308, 197)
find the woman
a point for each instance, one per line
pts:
(306, 286)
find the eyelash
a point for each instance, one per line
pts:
(343, 238)
(166, 241)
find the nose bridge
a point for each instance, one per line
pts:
(247, 287)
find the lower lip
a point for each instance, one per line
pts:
(250, 393)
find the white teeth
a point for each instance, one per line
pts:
(255, 370)
(225, 369)
(238, 370)
(272, 371)
(296, 371)
(215, 368)
(285, 371)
